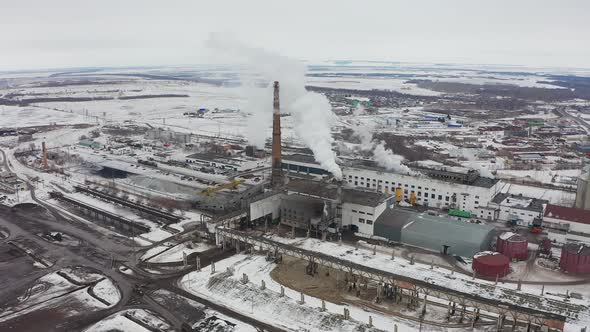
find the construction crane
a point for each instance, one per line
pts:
(233, 185)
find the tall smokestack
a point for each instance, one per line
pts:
(277, 171)
(44, 151)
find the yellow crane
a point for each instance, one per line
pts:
(233, 185)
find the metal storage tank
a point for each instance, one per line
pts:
(513, 246)
(490, 265)
(575, 258)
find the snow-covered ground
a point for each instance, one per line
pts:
(126, 320)
(440, 276)
(558, 197)
(175, 254)
(267, 305)
(52, 290)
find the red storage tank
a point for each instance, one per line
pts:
(575, 258)
(489, 264)
(513, 246)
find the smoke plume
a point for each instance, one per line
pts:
(311, 112)
(386, 158)
(362, 131)
(473, 163)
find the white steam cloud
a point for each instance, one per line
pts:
(473, 163)
(386, 158)
(363, 132)
(311, 112)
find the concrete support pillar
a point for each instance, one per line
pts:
(394, 327)
(346, 314)
(237, 247)
(323, 308)
(519, 286)
(370, 321)
(500, 323)
(244, 278)
(212, 268)
(198, 263)
(374, 250)
(282, 291)
(424, 306)
(449, 311)
(262, 285)
(302, 300)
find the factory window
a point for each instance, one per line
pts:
(433, 196)
(376, 180)
(476, 196)
(405, 185)
(476, 202)
(368, 185)
(356, 183)
(361, 212)
(386, 188)
(433, 189)
(530, 215)
(412, 186)
(481, 211)
(369, 222)
(419, 187)
(489, 212)
(380, 181)
(406, 191)
(350, 176)
(361, 220)
(440, 197)
(386, 182)
(362, 178)
(399, 184)
(425, 188)
(369, 214)
(356, 177)
(355, 211)
(419, 193)
(446, 198)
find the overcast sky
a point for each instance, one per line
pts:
(73, 33)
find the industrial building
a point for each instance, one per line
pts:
(441, 187)
(434, 233)
(512, 245)
(516, 209)
(565, 224)
(575, 258)
(221, 161)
